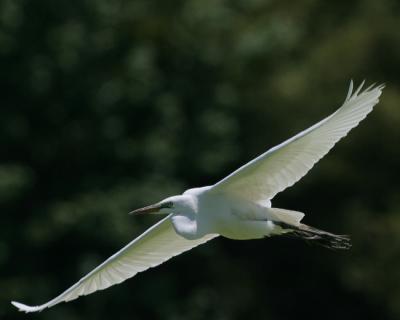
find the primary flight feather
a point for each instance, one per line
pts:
(237, 207)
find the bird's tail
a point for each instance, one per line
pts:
(317, 236)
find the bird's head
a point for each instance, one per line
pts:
(172, 204)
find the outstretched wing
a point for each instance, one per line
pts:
(285, 164)
(158, 244)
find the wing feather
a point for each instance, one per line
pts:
(158, 244)
(285, 164)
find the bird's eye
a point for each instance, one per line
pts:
(168, 204)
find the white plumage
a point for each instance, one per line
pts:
(158, 244)
(237, 207)
(284, 165)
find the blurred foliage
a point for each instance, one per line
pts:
(110, 105)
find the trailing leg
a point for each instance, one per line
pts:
(317, 236)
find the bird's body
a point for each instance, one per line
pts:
(238, 207)
(206, 212)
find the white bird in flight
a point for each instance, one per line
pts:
(237, 207)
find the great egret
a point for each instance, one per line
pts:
(237, 207)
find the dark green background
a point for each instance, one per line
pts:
(110, 105)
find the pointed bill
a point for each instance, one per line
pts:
(154, 208)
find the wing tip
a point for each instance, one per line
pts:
(25, 308)
(377, 89)
(350, 91)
